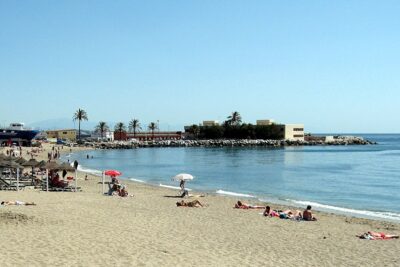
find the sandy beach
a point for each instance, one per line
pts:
(89, 229)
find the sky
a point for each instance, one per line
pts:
(332, 65)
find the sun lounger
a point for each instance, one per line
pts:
(62, 189)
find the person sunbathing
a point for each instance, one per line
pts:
(376, 236)
(241, 205)
(17, 203)
(290, 214)
(192, 204)
(270, 213)
(307, 215)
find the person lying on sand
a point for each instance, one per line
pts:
(192, 204)
(270, 213)
(376, 236)
(290, 214)
(307, 215)
(242, 205)
(18, 203)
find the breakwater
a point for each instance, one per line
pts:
(340, 140)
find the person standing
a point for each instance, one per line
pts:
(76, 164)
(182, 185)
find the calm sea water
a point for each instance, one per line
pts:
(359, 180)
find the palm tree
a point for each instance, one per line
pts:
(80, 115)
(134, 126)
(120, 128)
(235, 118)
(152, 127)
(195, 130)
(102, 127)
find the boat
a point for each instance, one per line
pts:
(17, 134)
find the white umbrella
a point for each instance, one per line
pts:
(182, 177)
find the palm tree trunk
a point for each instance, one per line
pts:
(79, 131)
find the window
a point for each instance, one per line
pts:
(298, 129)
(65, 132)
(298, 135)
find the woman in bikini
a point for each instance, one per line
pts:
(241, 205)
(192, 204)
(376, 236)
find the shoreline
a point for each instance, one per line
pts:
(87, 228)
(281, 204)
(384, 216)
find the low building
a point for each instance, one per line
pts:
(265, 122)
(210, 123)
(294, 132)
(107, 136)
(149, 136)
(67, 134)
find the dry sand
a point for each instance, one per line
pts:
(89, 229)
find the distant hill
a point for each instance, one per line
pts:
(61, 123)
(66, 123)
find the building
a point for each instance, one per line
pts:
(265, 122)
(149, 136)
(294, 132)
(107, 136)
(210, 123)
(67, 134)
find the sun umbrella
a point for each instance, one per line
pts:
(30, 163)
(182, 177)
(3, 163)
(52, 165)
(12, 164)
(67, 167)
(41, 164)
(20, 161)
(112, 173)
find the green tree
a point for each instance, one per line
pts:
(152, 127)
(80, 115)
(120, 128)
(212, 132)
(101, 128)
(134, 126)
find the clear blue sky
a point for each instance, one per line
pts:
(332, 65)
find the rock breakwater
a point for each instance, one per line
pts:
(353, 140)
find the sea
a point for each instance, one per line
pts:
(357, 180)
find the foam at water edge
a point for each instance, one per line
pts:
(373, 214)
(222, 192)
(91, 171)
(173, 187)
(136, 180)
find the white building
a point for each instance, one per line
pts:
(107, 136)
(294, 132)
(210, 123)
(265, 122)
